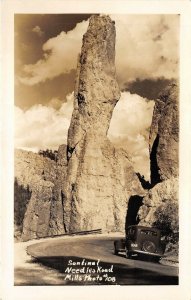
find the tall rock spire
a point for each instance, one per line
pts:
(96, 90)
(100, 178)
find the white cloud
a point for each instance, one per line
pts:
(38, 31)
(129, 129)
(55, 103)
(42, 127)
(146, 47)
(60, 56)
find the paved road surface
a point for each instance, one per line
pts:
(90, 261)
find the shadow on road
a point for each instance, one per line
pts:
(123, 274)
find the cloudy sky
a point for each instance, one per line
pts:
(46, 50)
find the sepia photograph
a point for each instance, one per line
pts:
(95, 151)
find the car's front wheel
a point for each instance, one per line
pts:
(128, 254)
(115, 248)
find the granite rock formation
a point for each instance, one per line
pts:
(56, 224)
(38, 207)
(100, 179)
(164, 135)
(160, 205)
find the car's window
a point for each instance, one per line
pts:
(131, 232)
(148, 232)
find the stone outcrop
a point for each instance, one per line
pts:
(56, 224)
(38, 206)
(164, 136)
(100, 179)
(160, 206)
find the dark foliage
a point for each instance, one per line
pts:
(22, 196)
(53, 155)
(167, 222)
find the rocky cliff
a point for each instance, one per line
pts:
(38, 204)
(56, 224)
(164, 135)
(160, 206)
(100, 179)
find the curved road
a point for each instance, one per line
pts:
(90, 261)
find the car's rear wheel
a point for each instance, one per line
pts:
(156, 259)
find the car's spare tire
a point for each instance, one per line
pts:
(149, 246)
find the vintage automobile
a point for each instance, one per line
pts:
(141, 241)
